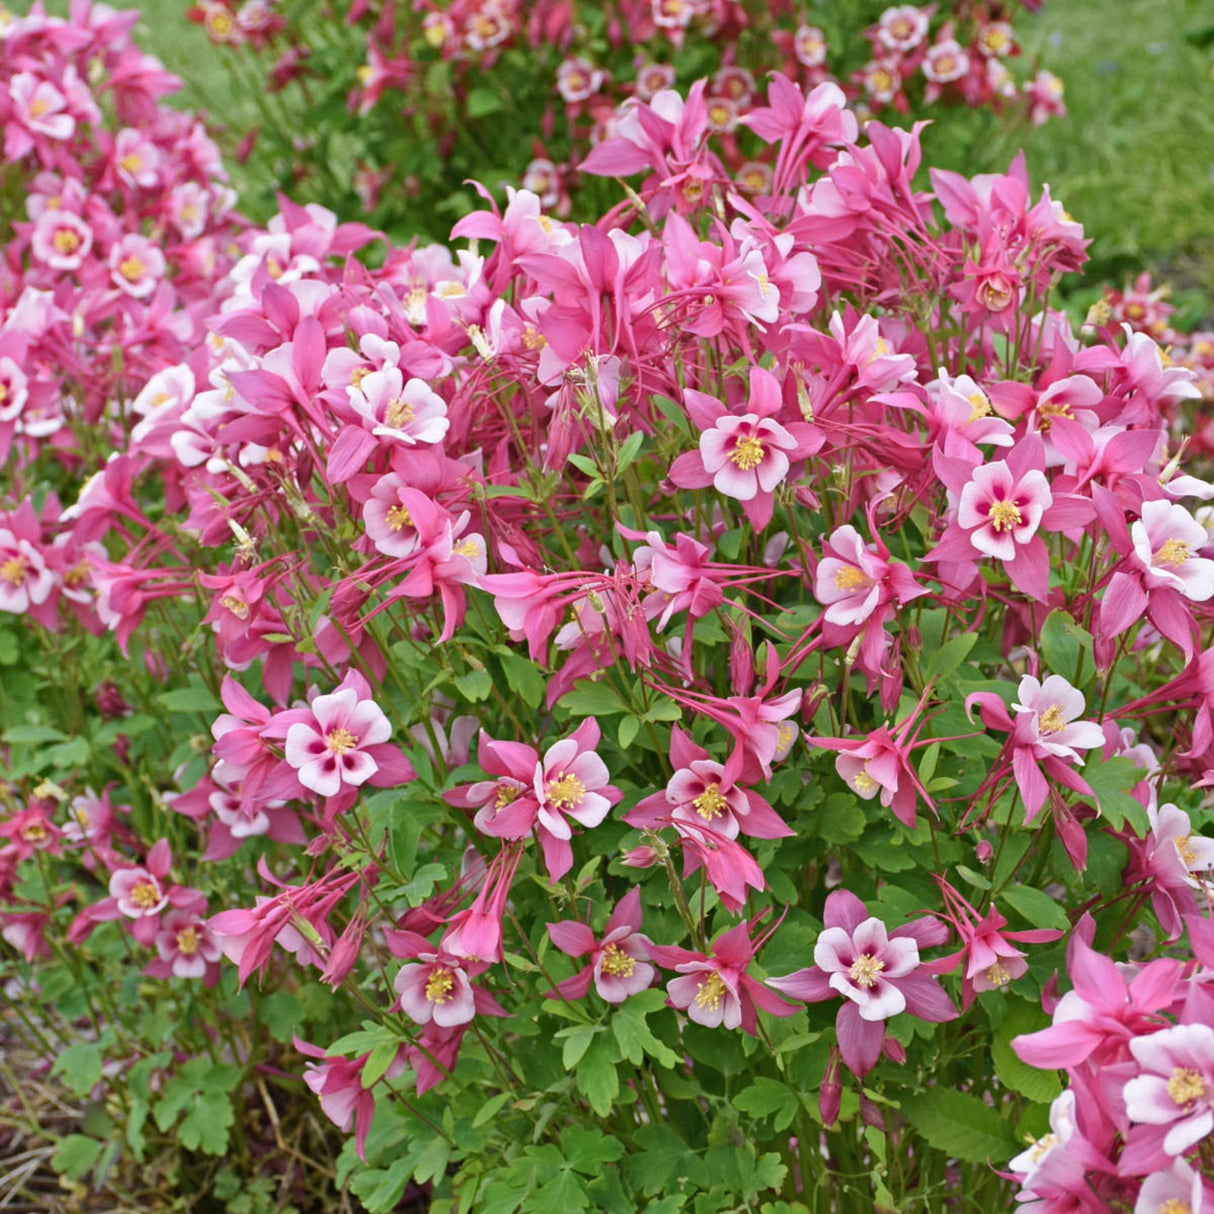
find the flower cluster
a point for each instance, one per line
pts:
(623, 634)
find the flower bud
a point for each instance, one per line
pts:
(830, 1096)
(983, 851)
(640, 857)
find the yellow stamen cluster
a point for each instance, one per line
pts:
(1185, 847)
(39, 106)
(340, 741)
(851, 578)
(710, 803)
(132, 268)
(980, 405)
(187, 941)
(1175, 1206)
(145, 895)
(864, 970)
(1039, 1148)
(748, 453)
(565, 792)
(398, 517)
(1053, 720)
(864, 782)
(14, 570)
(35, 833)
(617, 963)
(997, 975)
(506, 795)
(238, 607)
(1172, 553)
(65, 240)
(440, 985)
(1186, 1085)
(132, 162)
(398, 413)
(711, 993)
(1004, 515)
(1050, 410)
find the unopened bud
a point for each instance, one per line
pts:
(830, 1095)
(640, 857)
(983, 851)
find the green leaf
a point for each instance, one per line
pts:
(563, 1193)
(33, 733)
(596, 1077)
(589, 699)
(587, 1150)
(189, 699)
(80, 1066)
(1037, 907)
(841, 818)
(490, 1109)
(629, 728)
(949, 656)
(662, 1156)
(432, 1165)
(1022, 1017)
(205, 1126)
(378, 1061)
(960, 1125)
(380, 1189)
(475, 685)
(629, 449)
(1067, 648)
(481, 102)
(524, 678)
(767, 1096)
(636, 1039)
(1110, 780)
(74, 1155)
(577, 1041)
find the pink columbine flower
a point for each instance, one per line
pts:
(1001, 509)
(186, 946)
(1179, 1190)
(406, 412)
(854, 580)
(61, 239)
(902, 28)
(1062, 1128)
(25, 580)
(715, 989)
(945, 62)
(334, 747)
(1166, 539)
(1172, 1100)
(136, 266)
(40, 107)
(619, 962)
(746, 455)
(136, 158)
(138, 893)
(436, 988)
(570, 783)
(877, 972)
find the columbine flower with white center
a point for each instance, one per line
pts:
(619, 962)
(1062, 1127)
(746, 454)
(1046, 719)
(406, 411)
(25, 579)
(332, 747)
(436, 988)
(61, 239)
(876, 971)
(136, 265)
(138, 893)
(1166, 541)
(945, 62)
(1001, 510)
(570, 782)
(1172, 1099)
(902, 28)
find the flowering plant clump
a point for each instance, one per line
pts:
(407, 101)
(676, 712)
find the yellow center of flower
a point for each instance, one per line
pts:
(1186, 1085)
(1050, 410)
(851, 578)
(1004, 515)
(39, 106)
(187, 941)
(901, 27)
(719, 115)
(35, 832)
(617, 963)
(274, 267)
(506, 795)
(748, 453)
(439, 985)
(132, 162)
(398, 517)
(880, 81)
(864, 782)
(710, 803)
(340, 740)
(65, 240)
(753, 179)
(1185, 848)
(980, 405)
(238, 607)
(1175, 1206)
(398, 413)
(693, 191)
(467, 548)
(365, 74)
(997, 975)
(14, 570)
(1053, 720)
(533, 339)
(864, 970)
(1039, 1148)
(145, 895)
(1173, 553)
(566, 791)
(132, 268)
(78, 573)
(711, 992)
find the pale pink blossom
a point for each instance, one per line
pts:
(1046, 721)
(1002, 511)
(407, 412)
(435, 988)
(331, 750)
(1166, 540)
(61, 239)
(1174, 1094)
(138, 893)
(137, 266)
(746, 455)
